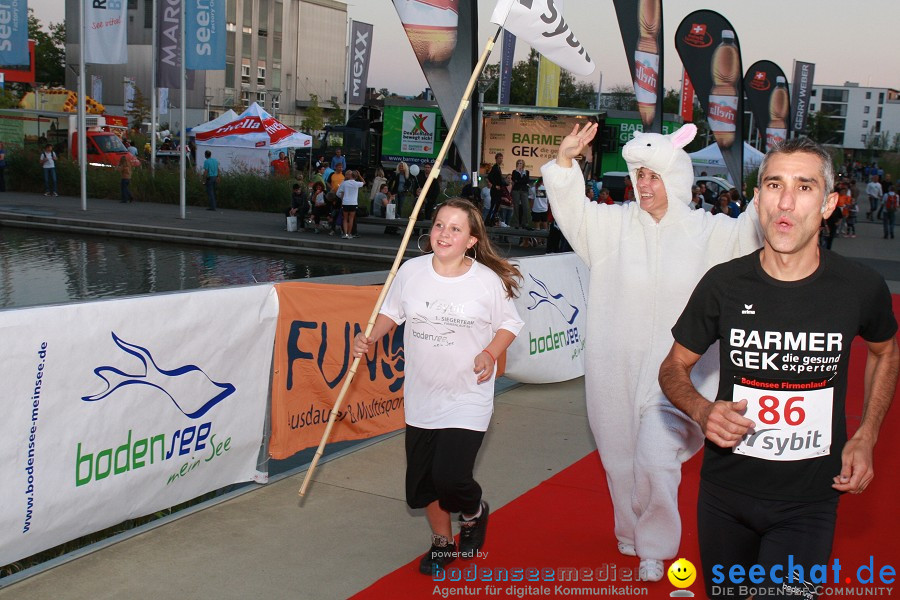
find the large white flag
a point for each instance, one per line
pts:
(540, 23)
(105, 39)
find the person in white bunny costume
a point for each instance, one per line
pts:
(645, 259)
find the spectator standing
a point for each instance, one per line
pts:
(280, 166)
(319, 175)
(320, 205)
(348, 192)
(125, 171)
(48, 162)
(377, 182)
(400, 184)
(485, 201)
(336, 179)
(521, 209)
(338, 159)
(889, 212)
(211, 176)
(875, 193)
(2, 168)
(434, 191)
(539, 210)
(495, 178)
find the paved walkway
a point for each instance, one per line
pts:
(353, 526)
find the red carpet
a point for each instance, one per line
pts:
(567, 521)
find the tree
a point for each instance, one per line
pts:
(335, 114)
(9, 99)
(313, 119)
(621, 97)
(49, 51)
(821, 128)
(140, 109)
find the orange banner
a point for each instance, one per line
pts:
(313, 342)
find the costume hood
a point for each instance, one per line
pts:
(664, 155)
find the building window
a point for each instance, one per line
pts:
(245, 45)
(279, 9)
(245, 96)
(868, 95)
(881, 98)
(865, 110)
(878, 116)
(229, 74)
(877, 126)
(245, 73)
(229, 43)
(261, 98)
(865, 124)
(260, 76)
(148, 14)
(831, 95)
(862, 138)
(276, 102)
(248, 13)
(814, 92)
(812, 108)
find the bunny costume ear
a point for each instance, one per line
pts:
(664, 155)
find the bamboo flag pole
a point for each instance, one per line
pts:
(464, 103)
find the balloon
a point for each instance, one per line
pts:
(414, 170)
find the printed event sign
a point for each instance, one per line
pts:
(205, 35)
(412, 134)
(120, 408)
(553, 303)
(313, 342)
(533, 139)
(105, 32)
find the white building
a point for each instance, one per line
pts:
(278, 53)
(862, 114)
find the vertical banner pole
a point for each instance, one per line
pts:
(82, 104)
(154, 101)
(182, 152)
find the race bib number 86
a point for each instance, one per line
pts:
(791, 424)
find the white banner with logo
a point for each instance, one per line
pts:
(553, 303)
(105, 32)
(117, 409)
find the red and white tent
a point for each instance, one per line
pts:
(250, 142)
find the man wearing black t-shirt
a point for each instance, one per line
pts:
(777, 456)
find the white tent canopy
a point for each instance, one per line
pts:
(710, 159)
(248, 142)
(224, 119)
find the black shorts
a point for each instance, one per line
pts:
(349, 208)
(439, 465)
(539, 217)
(787, 539)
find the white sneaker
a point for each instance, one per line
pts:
(650, 569)
(627, 549)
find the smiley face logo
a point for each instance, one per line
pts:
(682, 573)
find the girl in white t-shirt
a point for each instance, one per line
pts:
(457, 304)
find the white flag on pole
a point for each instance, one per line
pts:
(541, 24)
(104, 32)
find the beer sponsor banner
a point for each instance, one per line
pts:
(709, 50)
(553, 303)
(687, 98)
(205, 35)
(360, 55)
(765, 87)
(802, 91)
(541, 24)
(117, 409)
(641, 25)
(14, 33)
(443, 37)
(105, 38)
(547, 93)
(534, 139)
(506, 64)
(313, 342)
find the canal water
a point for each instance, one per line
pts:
(39, 268)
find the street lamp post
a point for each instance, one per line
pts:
(483, 85)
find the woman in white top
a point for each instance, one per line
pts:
(457, 304)
(348, 192)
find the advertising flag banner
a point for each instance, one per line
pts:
(541, 24)
(313, 341)
(641, 25)
(443, 37)
(709, 50)
(168, 58)
(97, 88)
(121, 408)
(547, 83)
(687, 98)
(129, 93)
(802, 92)
(765, 87)
(360, 55)
(14, 33)
(553, 304)
(205, 35)
(105, 36)
(506, 64)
